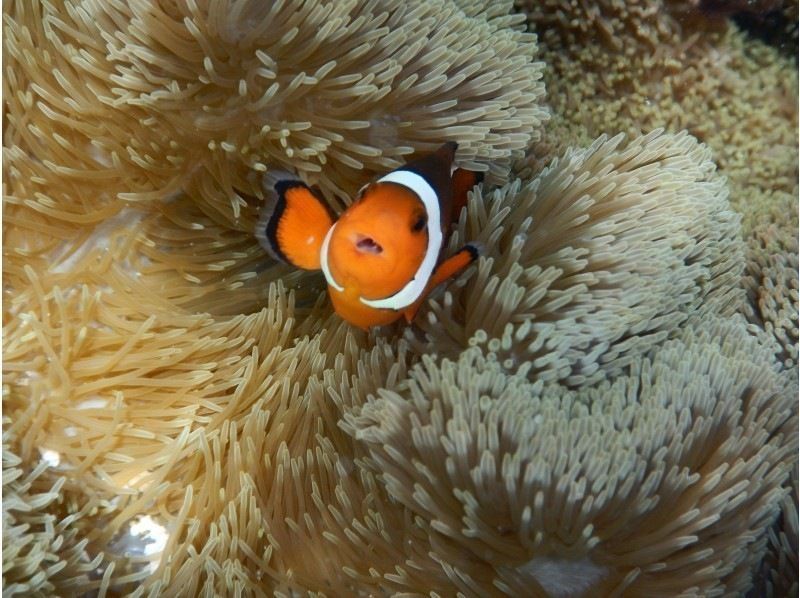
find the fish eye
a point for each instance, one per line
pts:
(419, 224)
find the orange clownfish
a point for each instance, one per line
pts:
(382, 256)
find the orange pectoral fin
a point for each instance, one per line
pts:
(447, 269)
(297, 226)
(463, 182)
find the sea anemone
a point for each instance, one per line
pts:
(604, 254)
(772, 289)
(777, 575)
(147, 99)
(583, 408)
(629, 486)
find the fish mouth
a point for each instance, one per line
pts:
(365, 244)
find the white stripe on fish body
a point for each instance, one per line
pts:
(415, 287)
(323, 260)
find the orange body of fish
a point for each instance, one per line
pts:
(383, 255)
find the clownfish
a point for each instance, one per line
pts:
(383, 255)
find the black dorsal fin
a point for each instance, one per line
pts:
(436, 169)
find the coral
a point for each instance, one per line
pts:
(606, 253)
(628, 486)
(632, 67)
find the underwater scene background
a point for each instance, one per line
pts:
(605, 404)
